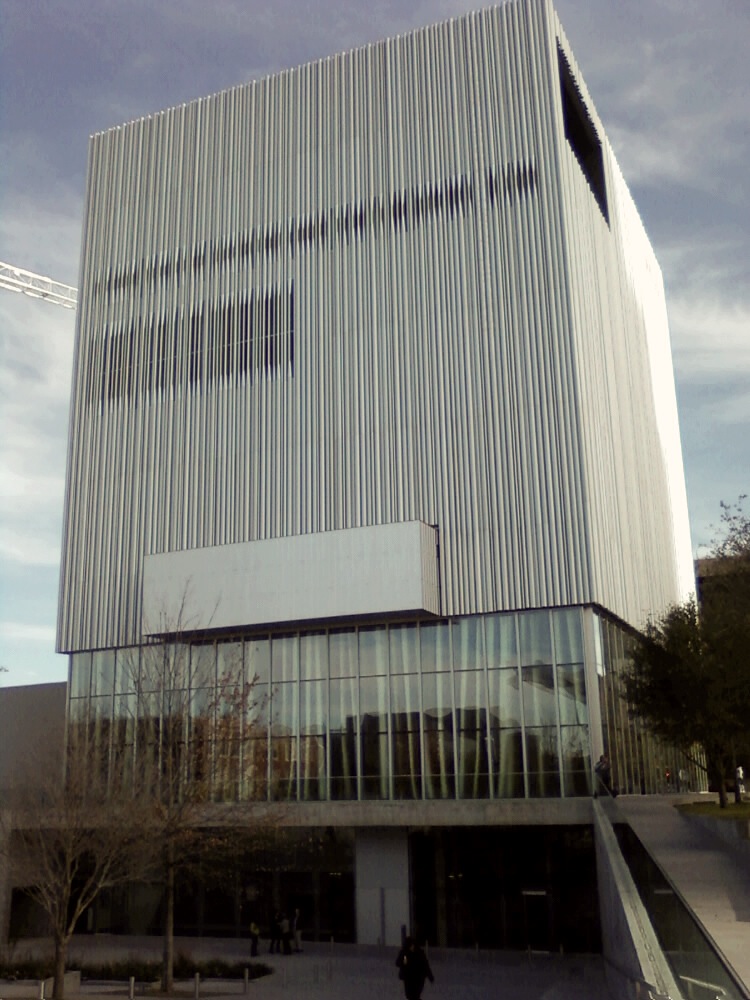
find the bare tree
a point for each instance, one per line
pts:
(70, 839)
(197, 716)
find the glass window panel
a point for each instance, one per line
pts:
(405, 711)
(434, 643)
(313, 655)
(103, 672)
(342, 653)
(437, 701)
(284, 709)
(404, 648)
(258, 709)
(343, 765)
(471, 699)
(126, 707)
(312, 765)
(78, 710)
(127, 670)
(313, 710)
(342, 712)
(373, 651)
(152, 667)
(230, 670)
(536, 637)
(507, 763)
(284, 658)
(101, 708)
(258, 659)
(542, 761)
(576, 753)
(374, 762)
(500, 639)
(505, 698)
(407, 765)
(284, 767)
(571, 693)
(373, 703)
(538, 696)
(568, 635)
(80, 675)
(202, 664)
(439, 766)
(226, 784)
(255, 769)
(468, 644)
(473, 777)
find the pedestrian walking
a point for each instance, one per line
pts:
(275, 935)
(254, 936)
(413, 969)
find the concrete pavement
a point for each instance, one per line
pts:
(351, 972)
(712, 878)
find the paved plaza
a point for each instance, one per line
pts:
(349, 972)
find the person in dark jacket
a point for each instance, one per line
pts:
(413, 969)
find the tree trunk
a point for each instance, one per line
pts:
(716, 775)
(61, 954)
(167, 975)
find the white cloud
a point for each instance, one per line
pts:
(14, 631)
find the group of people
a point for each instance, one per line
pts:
(285, 935)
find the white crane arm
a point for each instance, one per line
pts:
(15, 279)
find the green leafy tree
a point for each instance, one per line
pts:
(690, 678)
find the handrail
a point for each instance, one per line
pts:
(709, 986)
(652, 993)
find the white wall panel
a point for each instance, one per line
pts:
(373, 289)
(382, 570)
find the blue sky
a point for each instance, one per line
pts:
(669, 78)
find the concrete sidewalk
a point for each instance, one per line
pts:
(351, 972)
(712, 878)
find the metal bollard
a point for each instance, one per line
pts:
(247, 979)
(131, 988)
(197, 985)
(41, 989)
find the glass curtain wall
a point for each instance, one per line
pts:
(640, 763)
(487, 706)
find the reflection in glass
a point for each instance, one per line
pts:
(258, 660)
(536, 638)
(473, 777)
(284, 658)
(542, 761)
(468, 644)
(230, 670)
(255, 769)
(284, 768)
(407, 764)
(538, 696)
(500, 638)
(571, 693)
(342, 710)
(404, 649)
(505, 698)
(373, 650)
(127, 670)
(202, 665)
(344, 763)
(373, 700)
(103, 672)
(568, 635)
(342, 653)
(439, 775)
(405, 702)
(576, 760)
(435, 647)
(312, 754)
(313, 710)
(258, 710)
(313, 655)
(507, 763)
(284, 709)
(470, 697)
(437, 701)
(374, 759)
(80, 675)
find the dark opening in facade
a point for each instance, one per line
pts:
(581, 134)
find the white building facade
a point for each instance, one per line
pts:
(373, 397)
